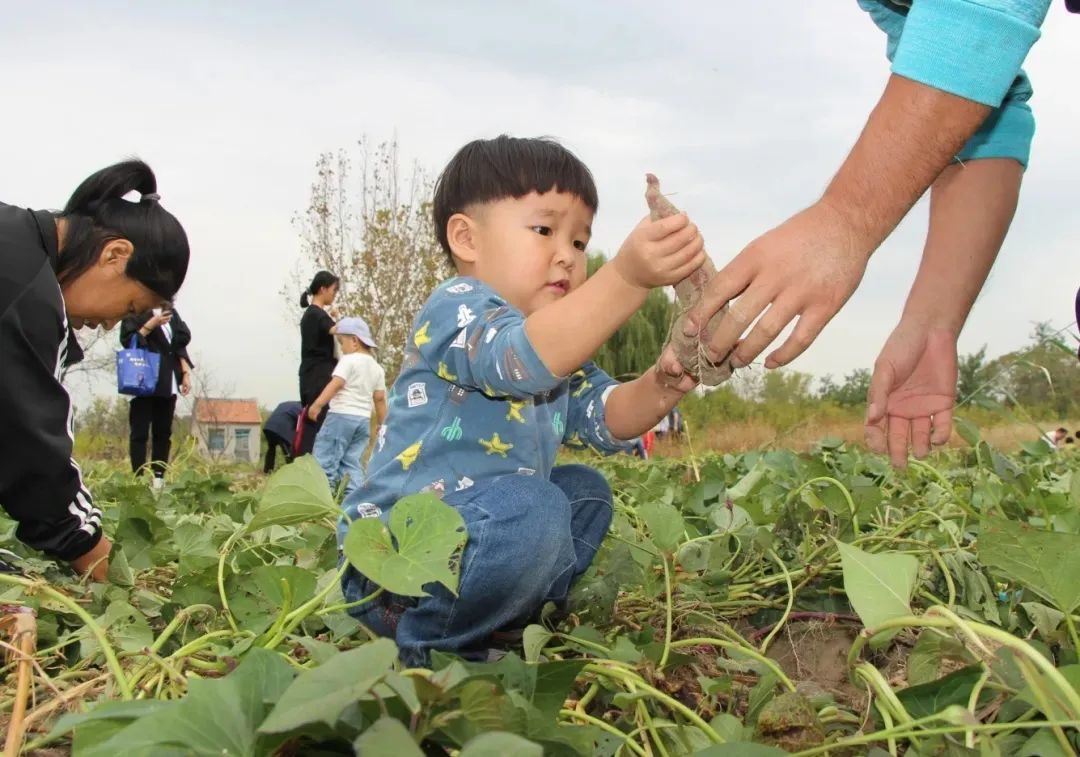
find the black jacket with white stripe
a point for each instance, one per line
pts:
(41, 486)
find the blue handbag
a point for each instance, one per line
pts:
(137, 370)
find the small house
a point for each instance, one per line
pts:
(227, 429)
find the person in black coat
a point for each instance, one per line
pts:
(317, 358)
(102, 257)
(160, 330)
(279, 431)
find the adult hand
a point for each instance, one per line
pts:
(807, 267)
(185, 383)
(159, 320)
(912, 392)
(313, 412)
(95, 562)
(659, 253)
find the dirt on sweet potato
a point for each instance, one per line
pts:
(687, 294)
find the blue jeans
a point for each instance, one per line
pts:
(341, 443)
(529, 538)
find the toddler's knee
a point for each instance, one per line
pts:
(581, 482)
(528, 525)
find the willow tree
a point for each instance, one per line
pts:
(376, 232)
(635, 347)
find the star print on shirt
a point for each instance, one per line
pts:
(514, 413)
(585, 386)
(444, 373)
(421, 337)
(496, 446)
(408, 455)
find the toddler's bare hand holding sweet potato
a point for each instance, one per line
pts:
(660, 253)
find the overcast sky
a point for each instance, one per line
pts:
(743, 109)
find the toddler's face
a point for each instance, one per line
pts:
(531, 250)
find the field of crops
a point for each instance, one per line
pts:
(758, 604)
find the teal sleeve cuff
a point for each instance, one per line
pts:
(1006, 133)
(964, 48)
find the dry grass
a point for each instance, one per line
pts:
(743, 436)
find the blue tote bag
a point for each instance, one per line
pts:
(136, 370)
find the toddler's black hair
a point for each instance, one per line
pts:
(486, 170)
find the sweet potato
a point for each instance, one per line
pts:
(687, 293)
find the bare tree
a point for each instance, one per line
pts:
(99, 358)
(382, 244)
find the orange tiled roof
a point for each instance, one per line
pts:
(227, 411)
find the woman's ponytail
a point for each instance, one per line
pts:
(322, 280)
(111, 183)
(98, 212)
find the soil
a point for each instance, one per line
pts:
(814, 655)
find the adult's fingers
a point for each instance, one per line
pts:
(942, 427)
(899, 437)
(877, 422)
(741, 314)
(728, 283)
(810, 324)
(920, 436)
(874, 435)
(768, 327)
(657, 230)
(877, 398)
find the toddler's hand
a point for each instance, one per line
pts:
(660, 253)
(671, 374)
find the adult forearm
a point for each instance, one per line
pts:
(637, 406)
(971, 207)
(911, 135)
(569, 331)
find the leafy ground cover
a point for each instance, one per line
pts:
(754, 604)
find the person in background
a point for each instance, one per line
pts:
(676, 421)
(279, 432)
(1054, 438)
(150, 418)
(101, 258)
(662, 427)
(316, 349)
(357, 388)
(648, 441)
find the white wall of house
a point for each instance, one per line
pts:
(238, 442)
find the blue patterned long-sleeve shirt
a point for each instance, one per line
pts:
(474, 400)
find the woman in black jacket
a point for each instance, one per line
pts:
(99, 259)
(317, 359)
(160, 330)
